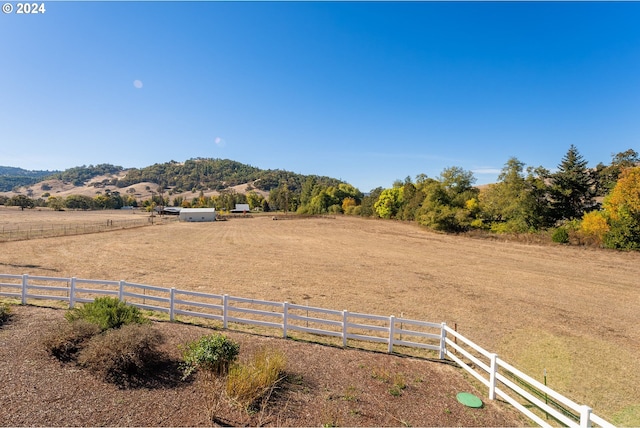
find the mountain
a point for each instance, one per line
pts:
(194, 175)
(11, 177)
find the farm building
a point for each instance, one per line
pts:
(241, 208)
(168, 210)
(197, 214)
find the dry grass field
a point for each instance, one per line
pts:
(572, 311)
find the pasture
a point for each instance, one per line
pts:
(569, 310)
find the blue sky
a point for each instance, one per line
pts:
(368, 92)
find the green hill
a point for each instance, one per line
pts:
(11, 177)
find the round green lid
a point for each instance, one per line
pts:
(469, 400)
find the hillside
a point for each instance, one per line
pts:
(11, 177)
(186, 179)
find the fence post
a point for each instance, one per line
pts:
(285, 313)
(225, 303)
(492, 376)
(443, 341)
(344, 328)
(72, 293)
(585, 416)
(121, 291)
(25, 284)
(172, 297)
(392, 332)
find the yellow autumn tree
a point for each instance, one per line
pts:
(622, 207)
(594, 227)
(624, 199)
(347, 203)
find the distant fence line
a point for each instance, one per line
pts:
(529, 396)
(49, 230)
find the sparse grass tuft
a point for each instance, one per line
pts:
(254, 381)
(397, 380)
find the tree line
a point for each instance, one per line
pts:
(597, 206)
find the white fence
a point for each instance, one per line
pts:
(541, 404)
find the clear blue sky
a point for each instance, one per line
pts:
(367, 92)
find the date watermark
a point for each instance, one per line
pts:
(24, 8)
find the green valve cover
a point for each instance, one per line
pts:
(469, 400)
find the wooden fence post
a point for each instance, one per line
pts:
(585, 416)
(225, 304)
(121, 291)
(392, 332)
(25, 284)
(172, 297)
(72, 293)
(492, 376)
(345, 315)
(443, 341)
(285, 313)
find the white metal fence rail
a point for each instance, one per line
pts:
(501, 379)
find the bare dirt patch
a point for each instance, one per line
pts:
(572, 311)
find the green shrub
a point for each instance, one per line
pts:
(249, 383)
(120, 355)
(5, 313)
(107, 312)
(213, 353)
(624, 234)
(65, 343)
(560, 235)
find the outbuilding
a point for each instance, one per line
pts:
(241, 208)
(197, 214)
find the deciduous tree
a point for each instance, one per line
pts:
(21, 201)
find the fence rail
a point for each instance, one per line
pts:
(399, 334)
(20, 232)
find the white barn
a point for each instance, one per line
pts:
(241, 208)
(197, 214)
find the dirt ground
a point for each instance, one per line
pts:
(324, 386)
(568, 310)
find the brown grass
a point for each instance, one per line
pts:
(572, 311)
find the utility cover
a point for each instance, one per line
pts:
(469, 400)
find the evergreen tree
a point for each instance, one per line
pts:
(572, 187)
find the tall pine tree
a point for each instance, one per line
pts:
(572, 187)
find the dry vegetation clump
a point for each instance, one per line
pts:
(251, 384)
(123, 356)
(110, 338)
(5, 313)
(65, 342)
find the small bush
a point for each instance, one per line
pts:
(249, 383)
(68, 340)
(5, 313)
(107, 312)
(624, 234)
(213, 353)
(560, 235)
(120, 355)
(594, 227)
